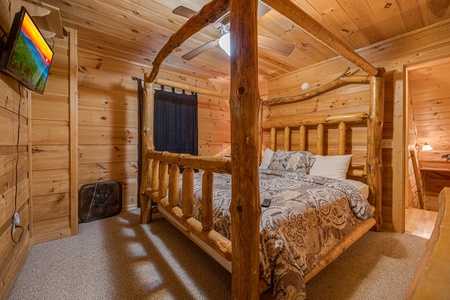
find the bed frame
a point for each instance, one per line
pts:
(246, 137)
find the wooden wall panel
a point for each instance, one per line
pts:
(108, 116)
(108, 124)
(51, 150)
(13, 255)
(422, 45)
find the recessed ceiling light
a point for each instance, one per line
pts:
(305, 86)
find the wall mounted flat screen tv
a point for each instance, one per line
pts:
(26, 55)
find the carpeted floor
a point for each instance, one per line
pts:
(117, 258)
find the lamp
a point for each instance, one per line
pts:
(224, 43)
(426, 147)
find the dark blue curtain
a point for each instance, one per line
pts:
(176, 122)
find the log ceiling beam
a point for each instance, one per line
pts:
(209, 13)
(294, 13)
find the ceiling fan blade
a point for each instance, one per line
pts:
(190, 55)
(184, 12)
(262, 9)
(189, 13)
(280, 47)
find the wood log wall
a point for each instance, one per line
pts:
(13, 255)
(422, 45)
(54, 198)
(108, 121)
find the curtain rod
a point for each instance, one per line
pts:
(187, 87)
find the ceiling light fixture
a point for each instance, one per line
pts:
(224, 43)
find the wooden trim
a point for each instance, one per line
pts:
(432, 275)
(30, 165)
(398, 153)
(73, 123)
(294, 13)
(208, 14)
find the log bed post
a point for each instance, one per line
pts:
(147, 144)
(374, 137)
(244, 102)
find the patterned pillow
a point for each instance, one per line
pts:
(291, 161)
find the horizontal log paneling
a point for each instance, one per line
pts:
(107, 171)
(51, 229)
(9, 99)
(7, 201)
(50, 157)
(13, 255)
(9, 124)
(51, 108)
(113, 118)
(89, 154)
(129, 193)
(94, 98)
(49, 182)
(106, 135)
(57, 86)
(50, 132)
(56, 205)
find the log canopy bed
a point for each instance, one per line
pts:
(246, 248)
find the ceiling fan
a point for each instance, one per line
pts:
(223, 25)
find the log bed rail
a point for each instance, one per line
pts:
(167, 179)
(244, 107)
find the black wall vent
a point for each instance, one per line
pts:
(99, 200)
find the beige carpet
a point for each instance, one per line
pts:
(117, 258)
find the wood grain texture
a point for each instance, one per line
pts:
(244, 107)
(432, 272)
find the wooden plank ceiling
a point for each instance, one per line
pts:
(137, 29)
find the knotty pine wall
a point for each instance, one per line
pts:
(108, 121)
(12, 255)
(427, 44)
(53, 167)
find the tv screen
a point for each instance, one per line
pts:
(27, 56)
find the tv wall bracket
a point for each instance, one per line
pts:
(46, 17)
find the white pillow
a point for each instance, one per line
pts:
(333, 166)
(267, 156)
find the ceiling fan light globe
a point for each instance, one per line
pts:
(224, 43)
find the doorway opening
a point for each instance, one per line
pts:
(427, 94)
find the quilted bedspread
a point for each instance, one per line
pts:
(307, 217)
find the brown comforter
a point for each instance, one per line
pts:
(307, 217)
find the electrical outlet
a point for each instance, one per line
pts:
(16, 218)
